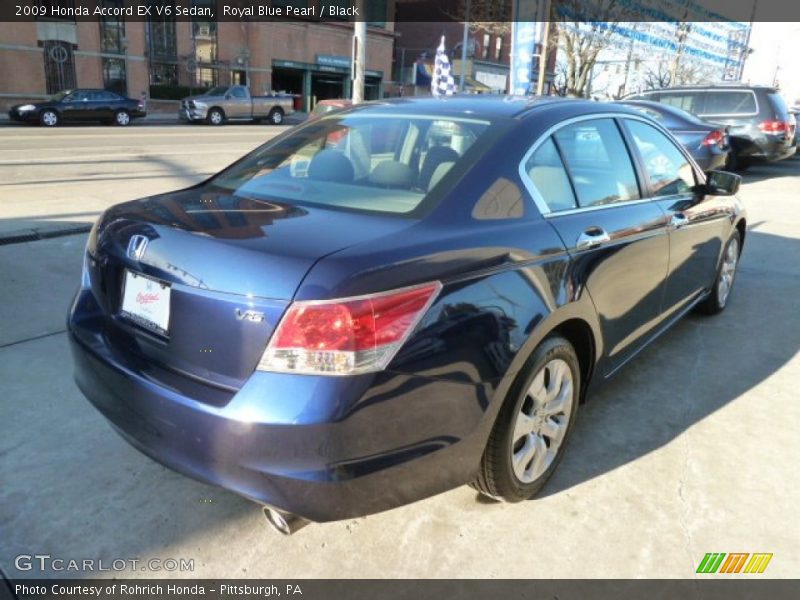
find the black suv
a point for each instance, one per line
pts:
(761, 125)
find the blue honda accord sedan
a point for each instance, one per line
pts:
(398, 298)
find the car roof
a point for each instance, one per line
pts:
(485, 106)
(71, 90)
(716, 86)
(667, 109)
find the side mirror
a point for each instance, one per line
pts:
(721, 183)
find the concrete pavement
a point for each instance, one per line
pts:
(691, 449)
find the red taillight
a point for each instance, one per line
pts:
(774, 126)
(716, 137)
(343, 337)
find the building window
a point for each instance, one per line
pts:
(114, 76)
(487, 42)
(238, 77)
(162, 73)
(59, 66)
(112, 30)
(206, 77)
(376, 13)
(204, 38)
(161, 38)
(162, 50)
(498, 47)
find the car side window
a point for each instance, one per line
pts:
(688, 101)
(669, 170)
(238, 92)
(730, 103)
(549, 177)
(598, 162)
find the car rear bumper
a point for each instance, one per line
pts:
(767, 148)
(324, 448)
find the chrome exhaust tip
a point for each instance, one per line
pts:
(283, 522)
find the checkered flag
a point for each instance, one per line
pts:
(442, 83)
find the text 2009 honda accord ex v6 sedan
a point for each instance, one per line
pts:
(398, 298)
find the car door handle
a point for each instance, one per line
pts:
(591, 238)
(678, 220)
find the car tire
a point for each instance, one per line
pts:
(122, 118)
(717, 299)
(736, 163)
(533, 419)
(275, 116)
(215, 116)
(49, 118)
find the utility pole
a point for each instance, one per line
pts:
(683, 32)
(628, 62)
(464, 49)
(543, 50)
(359, 54)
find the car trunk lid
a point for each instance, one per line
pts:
(224, 266)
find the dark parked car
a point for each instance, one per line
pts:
(706, 142)
(337, 328)
(760, 124)
(80, 105)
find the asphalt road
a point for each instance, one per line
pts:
(52, 178)
(692, 449)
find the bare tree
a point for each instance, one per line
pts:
(584, 30)
(491, 16)
(657, 77)
(662, 74)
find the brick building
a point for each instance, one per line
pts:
(167, 58)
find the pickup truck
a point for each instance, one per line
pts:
(234, 103)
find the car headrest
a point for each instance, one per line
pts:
(331, 165)
(441, 171)
(435, 157)
(391, 173)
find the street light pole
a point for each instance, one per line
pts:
(543, 50)
(359, 55)
(464, 49)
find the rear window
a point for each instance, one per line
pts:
(734, 102)
(779, 105)
(361, 161)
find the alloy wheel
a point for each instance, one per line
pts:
(50, 118)
(728, 271)
(542, 422)
(123, 118)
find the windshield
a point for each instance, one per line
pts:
(361, 161)
(216, 91)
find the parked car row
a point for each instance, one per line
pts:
(218, 105)
(758, 123)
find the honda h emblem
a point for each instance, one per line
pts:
(137, 246)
